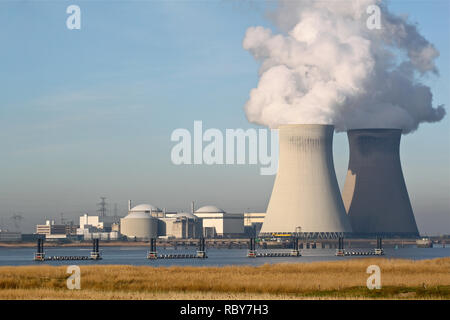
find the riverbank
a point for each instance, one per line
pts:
(224, 243)
(401, 279)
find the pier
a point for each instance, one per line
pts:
(40, 254)
(341, 252)
(252, 253)
(201, 252)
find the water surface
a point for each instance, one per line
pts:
(216, 257)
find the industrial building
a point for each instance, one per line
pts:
(147, 221)
(375, 194)
(305, 197)
(98, 227)
(181, 225)
(101, 223)
(50, 229)
(218, 223)
(10, 236)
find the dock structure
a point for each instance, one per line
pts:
(39, 255)
(295, 251)
(341, 252)
(200, 254)
(251, 253)
(379, 249)
(95, 254)
(152, 254)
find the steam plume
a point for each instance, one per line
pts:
(325, 66)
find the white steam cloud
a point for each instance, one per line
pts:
(327, 67)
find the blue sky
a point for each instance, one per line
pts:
(89, 113)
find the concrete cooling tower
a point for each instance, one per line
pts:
(375, 194)
(306, 197)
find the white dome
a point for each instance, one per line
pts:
(138, 215)
(185, 215)
(145, 208)
(209, 209)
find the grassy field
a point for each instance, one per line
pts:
(401, 279)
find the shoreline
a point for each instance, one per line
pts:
(222, 243)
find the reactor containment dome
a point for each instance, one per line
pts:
(139, 224)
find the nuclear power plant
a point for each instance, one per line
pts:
(374, 193)
(306, 197)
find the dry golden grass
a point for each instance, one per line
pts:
(341, 279)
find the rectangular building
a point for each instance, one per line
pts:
(222, 225)
(9, 236)
(49, 228)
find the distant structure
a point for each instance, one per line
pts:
(102, 207)
(253, 222)
(221, 224)
(139, 224)
(182, 225)
(306, 199)
(98, 227)
(17, 218)
(10, 236)
(115, 210)
(146, 221)
(374, 193)
(51, 230)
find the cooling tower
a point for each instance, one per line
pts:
(305, 197)
(375, 194)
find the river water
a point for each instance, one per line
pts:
(216, 257)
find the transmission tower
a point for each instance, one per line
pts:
(115, 209)
(17, 218)
(102, 207)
